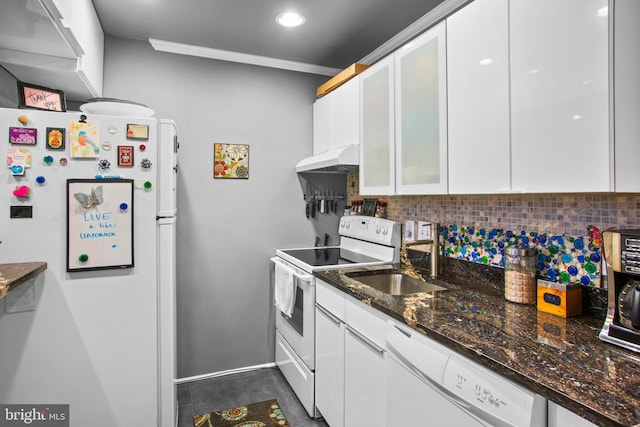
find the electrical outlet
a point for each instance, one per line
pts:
(424, 230)
(410, 231)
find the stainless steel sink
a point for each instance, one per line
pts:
(395, 283)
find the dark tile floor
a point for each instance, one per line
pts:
(201, 397)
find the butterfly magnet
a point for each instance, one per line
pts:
(91, 200)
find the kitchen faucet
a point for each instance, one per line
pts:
(434, 250)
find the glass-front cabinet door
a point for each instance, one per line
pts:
(421, 114)
(377, 171)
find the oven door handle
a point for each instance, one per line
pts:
(300, 276)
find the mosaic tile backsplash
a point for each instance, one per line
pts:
(560, 258)
(477, 227)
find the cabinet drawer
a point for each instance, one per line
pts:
(330, 298)
(367, 321)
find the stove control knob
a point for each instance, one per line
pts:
(377, 228)
(385, 230)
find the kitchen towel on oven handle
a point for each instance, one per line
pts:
(286, 280)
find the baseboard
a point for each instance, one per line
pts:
(223, 373)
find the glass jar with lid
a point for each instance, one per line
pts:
(520, 275)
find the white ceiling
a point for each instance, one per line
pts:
(336, 33)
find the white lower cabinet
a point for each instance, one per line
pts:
(561, 417)
(330, 354)
(330, 367)
(350, 360)
(364, 362)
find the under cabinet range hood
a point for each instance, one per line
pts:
(342, 160)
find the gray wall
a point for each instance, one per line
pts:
(8, 90)
(227, 229)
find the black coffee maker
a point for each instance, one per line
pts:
(622, 256)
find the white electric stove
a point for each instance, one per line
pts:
(364, 241)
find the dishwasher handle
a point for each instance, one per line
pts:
(472, 410)
(433, 384)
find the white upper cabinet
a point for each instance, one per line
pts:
(322, 124)
(521, 96)
(403, 140)
(336, 118)
(83, 24)
(54, 43)
(377, 152)
(559, 96)
(346, 114)
(421, 114)
(478, 98)
(529, 97)
(626, 68)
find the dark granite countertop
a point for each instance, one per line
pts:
(13, 275)
(560, 359)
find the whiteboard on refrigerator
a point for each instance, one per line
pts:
(99, 224)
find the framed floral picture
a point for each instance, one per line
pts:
(230, 161)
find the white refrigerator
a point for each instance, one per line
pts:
(94, 196)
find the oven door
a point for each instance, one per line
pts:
(299, 329)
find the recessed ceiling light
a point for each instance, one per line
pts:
(289, 19)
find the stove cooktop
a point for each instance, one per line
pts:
(328, 256)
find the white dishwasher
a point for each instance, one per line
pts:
(428, 384)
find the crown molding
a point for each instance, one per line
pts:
(244, 58)
(427, 21)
